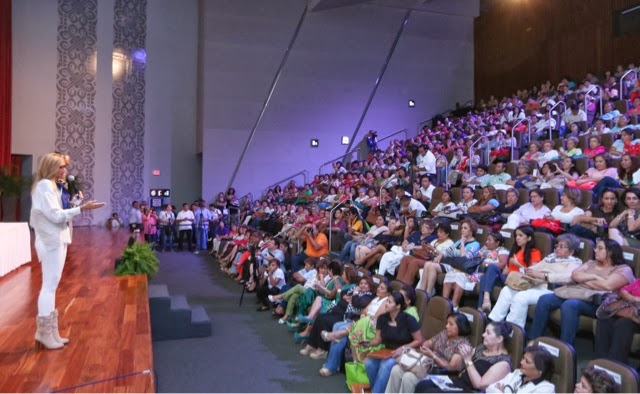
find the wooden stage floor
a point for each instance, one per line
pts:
(105, 317)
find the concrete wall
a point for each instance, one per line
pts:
(170, 107)
(324, 86)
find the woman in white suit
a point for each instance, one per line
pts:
(51, 224)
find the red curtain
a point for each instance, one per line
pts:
(5, 83)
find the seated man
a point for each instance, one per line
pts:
(411, 207)
(499, 178)
(424, 191)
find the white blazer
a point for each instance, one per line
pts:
(49, 220)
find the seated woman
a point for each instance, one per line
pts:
(596, 381)
(595, 147)
(523, 175)
(446, 209)
(487, 203)
(523, 255)
(465, 248)
(533, 376)
(321, 296)
(396, 330)
(533, 153)
(348, 252)
(554, 269)
(625, 228)
(509, 207)
(443, 349)
(368, 254)
(272, 282)
(337, 337)
(608, 272)
(622, 145)
(590, 179)
(567, 168)
(548, 153)
(292, 295)
(614, 335)
(351, 303)
(467, 201)
(628, 167)
(568, 208)
(390, 260)
(572, 150)
(458, 166)
(535, 209)
(410, 265)
(484, 365)
(493, 252)
(594, 222)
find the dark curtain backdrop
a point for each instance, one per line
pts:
(518, 44)
(5, 82)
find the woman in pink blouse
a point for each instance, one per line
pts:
(595, 147)
(614, 335)
(592, 176)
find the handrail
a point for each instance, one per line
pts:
(623, 84)
(338, 205)
(242, 205)
(471, 153)
(405, 131)
(446, 171)
(587, 97)
(559, 116)
(424, 122)
(528, 131)
(336, 159)
(388, 181)
(304, 173)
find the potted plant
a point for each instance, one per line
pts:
(138, 258)
(11, 186)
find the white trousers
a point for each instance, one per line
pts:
(513, 222)
(514, 305)
(401, 381)
(391, 260)
(52, 266)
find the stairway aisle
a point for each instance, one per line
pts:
(247, 352)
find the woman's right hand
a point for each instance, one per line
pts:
(93, 204)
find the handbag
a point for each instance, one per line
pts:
(613, 305)
(519, 281)
(356, 374)
(578, 292)
(553, 225)
(415, 362)
(462, 263)
(489, 218)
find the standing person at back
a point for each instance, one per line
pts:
(135, 217)
(203, 217)
(185, 220)
(166, 218)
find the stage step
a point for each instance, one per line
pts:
(173, 318)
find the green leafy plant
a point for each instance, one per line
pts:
(138, 258)
(11, 186)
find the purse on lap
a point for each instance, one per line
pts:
(415, 362)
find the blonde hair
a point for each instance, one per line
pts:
(49, 166)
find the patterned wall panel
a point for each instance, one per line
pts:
(76, 88)
(127, 127)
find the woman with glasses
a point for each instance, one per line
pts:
(533, 376)
(535, 209)
(555, 269)
(608, 272)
